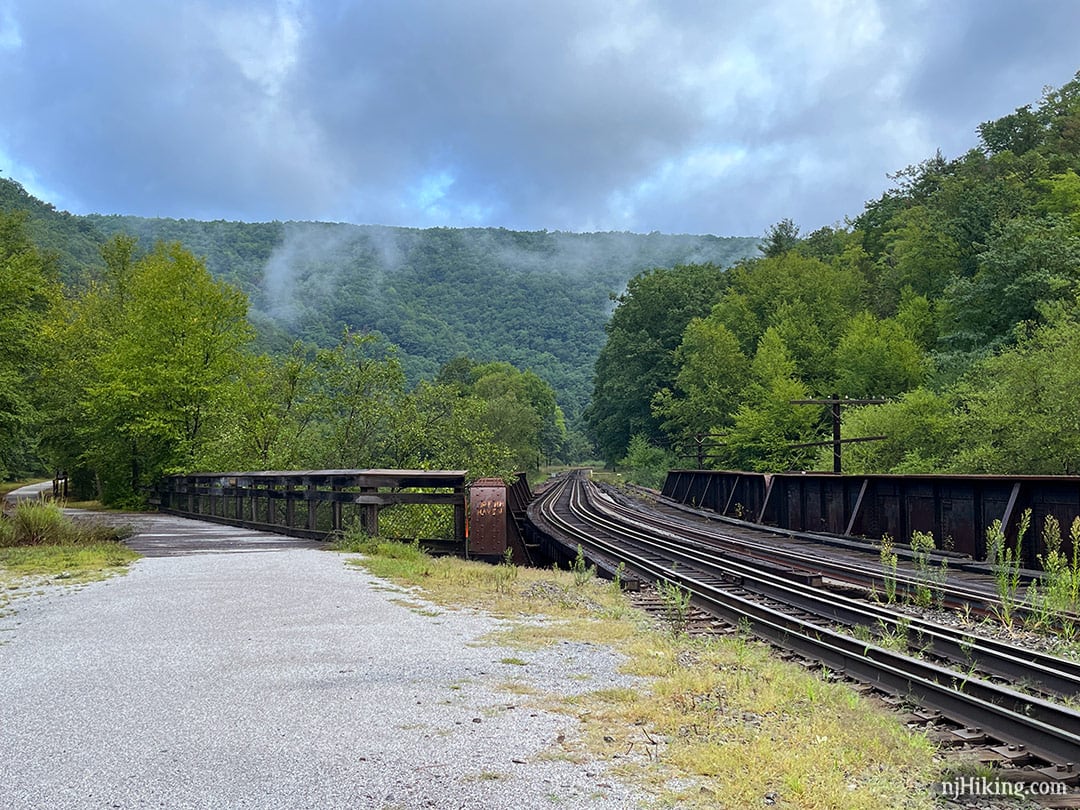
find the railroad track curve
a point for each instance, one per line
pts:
(795, 616)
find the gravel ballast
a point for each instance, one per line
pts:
(283, 678)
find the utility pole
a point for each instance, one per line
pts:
(702, 443)
(834, 403)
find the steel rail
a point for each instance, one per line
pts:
(1033, 669)
(866, 576)
(1048, 730)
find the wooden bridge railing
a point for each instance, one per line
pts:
(311, 503)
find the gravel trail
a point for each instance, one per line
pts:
(234, 671)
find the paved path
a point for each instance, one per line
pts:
(237, 669)
(29, 491)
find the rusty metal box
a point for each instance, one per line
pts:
(487, 517)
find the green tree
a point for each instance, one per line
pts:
(711, 377)
(919, 430)
(918, 316)
(27, 289)
(153, 353)
(1018, 133)
(809, 339)
(779, 239)
(712, 373)
(361, 402)
(1020, 409)
(453, 431)
(1027, 262)
(646, 464)
(877, 358)
(824, 244)
(541, 396)
(518, 408)
(922, 254)
(273, 417)
(768, 424)
(1062, 196)
(508, 414)
(638, 359)
(806, 292)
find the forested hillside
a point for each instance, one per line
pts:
(131, 348)
(954, 295)
(538, 300)
(72, 242)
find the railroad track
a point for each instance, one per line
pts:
(801, 551)
(955, 673)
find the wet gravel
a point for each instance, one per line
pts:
(244, 674)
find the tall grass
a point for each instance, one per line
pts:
(889, 562)
(42, 523)
(929, 580)
(1057, 593)
(1006, 562)
(38, 538)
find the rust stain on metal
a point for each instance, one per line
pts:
(487, 517)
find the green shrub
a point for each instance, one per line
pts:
(928, 580)
(1058, 591)
(38, 523)
(417, 521)
(43, 523)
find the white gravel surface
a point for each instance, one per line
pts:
(279, 679)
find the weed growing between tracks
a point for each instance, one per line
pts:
(716, 722)
(1006, 562)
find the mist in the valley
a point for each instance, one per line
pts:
(537, 299)
(316, 260)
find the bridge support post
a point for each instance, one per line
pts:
(459, 522)
(312, 513)
(335, 511)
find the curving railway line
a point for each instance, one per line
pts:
(1018, 697)
(968, 588)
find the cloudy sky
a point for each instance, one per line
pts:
(683, 116)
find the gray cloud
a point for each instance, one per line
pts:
(695, 117)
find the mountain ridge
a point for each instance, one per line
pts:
(538, 299)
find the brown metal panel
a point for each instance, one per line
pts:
(811, 494)
(1060, 500)
(769, 511)
(855, 523)
(887, 507)
(835, 511)
(731, 495)
(791, 502)
(487, 517)
(675, 485)
(697, 490)
(958, 523)
(753, 491)
(920, 510)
